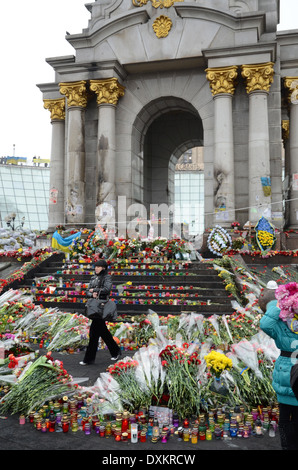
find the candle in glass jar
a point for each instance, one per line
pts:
(125, 422)
(134, 433)
(65, 424)
(87, 428)
(44, 427)
(186, 434)
(22, 419)
(194, 436)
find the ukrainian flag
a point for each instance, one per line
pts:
(63, 244)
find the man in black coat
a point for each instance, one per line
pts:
(100, 287)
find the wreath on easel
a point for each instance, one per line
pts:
(265, 234)
(219, 241)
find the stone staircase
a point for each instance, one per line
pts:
(169, 288)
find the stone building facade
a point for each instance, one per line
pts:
(151, 79)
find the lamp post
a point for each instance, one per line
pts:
(10, 221)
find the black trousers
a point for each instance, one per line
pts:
(99, 329)
(288, 426)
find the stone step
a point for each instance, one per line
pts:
(201, 292)
(120, 279)
(209, 298)
(135, 309)
(130, 272)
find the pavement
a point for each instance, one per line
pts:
(16, 437)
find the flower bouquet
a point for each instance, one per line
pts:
(235, 225)
(217, 363)
(144, 331)
(40, 381)
(182, 379)
(287, 297)
(131, 394)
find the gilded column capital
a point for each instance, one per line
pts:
(292, 84)
(108, 90)
(222, 79)
(75, 92)
(258, 76)
(285, 125)
(57, 108)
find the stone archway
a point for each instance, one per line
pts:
(170, 127)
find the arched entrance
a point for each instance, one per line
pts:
(189, 189)
(170, 127)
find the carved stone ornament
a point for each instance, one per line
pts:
(285, 124)
(222, 79)
(57, 109)
(162, 26)
(258, 76)
(156, 3)
(292, 84)
(75, 93)
(108, 90)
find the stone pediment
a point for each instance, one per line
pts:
(140, 31)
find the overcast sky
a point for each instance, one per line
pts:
(30, 32)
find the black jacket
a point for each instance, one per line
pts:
(100, 283)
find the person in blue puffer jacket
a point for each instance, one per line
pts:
(287, 341)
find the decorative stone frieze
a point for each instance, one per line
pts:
(156, 3)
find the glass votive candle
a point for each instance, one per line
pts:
(22, 420)
(97, 427)
(186, 434)
(194, 436)
(87, 428)
(44, 427)
(134, 433)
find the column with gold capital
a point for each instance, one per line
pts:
(108, 92)
(291, 83)
(76, 95)
(222, 84)
(56, 202)
(259, 78)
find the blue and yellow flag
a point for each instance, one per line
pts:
(63, 244)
